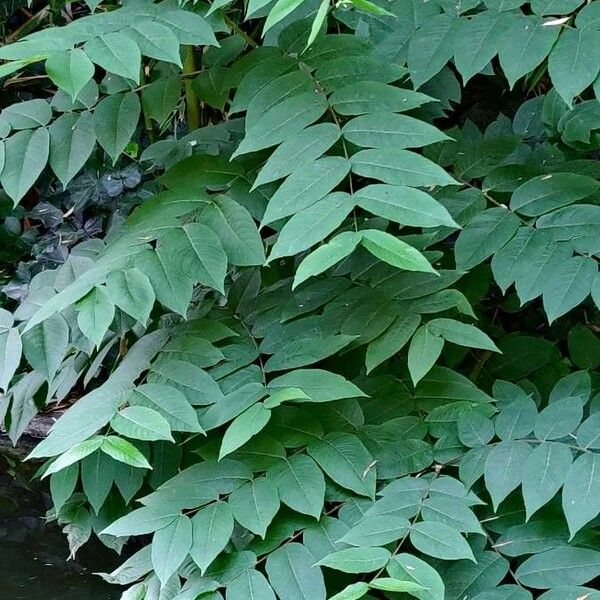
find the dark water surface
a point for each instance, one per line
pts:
(33, 554)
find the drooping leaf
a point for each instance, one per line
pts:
(115, 121)
(255, 504)
(580, 499)
(26, 154)
(95, 314)
(300, 484)
(45, 345)
(425, 348)
(293, 574)
(212, 528)
(504, 468)
(170, 547)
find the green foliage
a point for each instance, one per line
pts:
(341, 342)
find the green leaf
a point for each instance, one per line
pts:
(160, 98)
(212, 528)
(45, 345)
(281, 9)
(236, 230)
(571, 222)
(581, 493)
(317, 24)
(243, 428)
(544, 473)
(293, 575)
(189, 27)
(440, 541)
(548, 192)
(115, 122)
(283, 120)
(297, 151)
(62, 485)
(571, 65)
(504, 468)
(141, 521)
(375, 96)
(95, 314)
(132, 292)
(560, 566)
(345, 459)
(197, 251)
(558, 419)
(326, 256)
(302, 352)
(72, 455)
(431, 47)
(554, 7)
(97, 476)
(404, 205)
(173, 287)
(461, 334)
(30, 114)
(300, 484)
(357, 560)
(116, 53)
(168, 402)
(10, 354)
(377, 530)
(284, 395)
(569, 286)
(196, 384)
(389, 584)
(483, 236)
(72, 140)
(474, 428)
(124, 451)
(354, 591)
(588, 433)
(170, 547)
(305, 187)
(250, 585)
(26, 155)
(70, 71)
(141, 423)
(507, 261)
(311, 225)
(391, 131)
(394, 251)
(392, 340)
(452, 512)
(255, 504)
(156, 41)
(525, 45)
(533, 537)
(318, 385)
(406, 567)
(402, 168)
(517, 419)
(478, 41)
(425, 348)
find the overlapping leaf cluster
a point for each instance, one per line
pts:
(345, 346)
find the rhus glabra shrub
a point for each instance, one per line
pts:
(341, 340)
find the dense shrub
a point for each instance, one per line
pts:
(327, 294)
